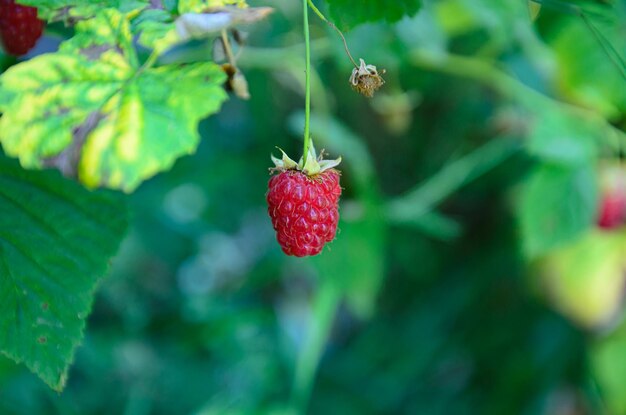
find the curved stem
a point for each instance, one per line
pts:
(307, 82)
(343, 38)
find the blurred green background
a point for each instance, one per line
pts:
(425, 303)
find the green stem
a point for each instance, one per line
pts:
(325, 305)
(488, 74)
(307, 82)
(149, 63)
(227, 49)
(343, 38)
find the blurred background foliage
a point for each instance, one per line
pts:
(449, 290)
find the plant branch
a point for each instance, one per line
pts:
(491, 76)
(307, 86)
(227, 49)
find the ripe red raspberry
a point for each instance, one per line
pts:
(304, 210)
(19, 27)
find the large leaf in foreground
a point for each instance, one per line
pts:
(55, 242)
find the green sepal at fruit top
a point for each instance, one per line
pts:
(585, 279)
(314, 164)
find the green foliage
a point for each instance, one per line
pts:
(93, 111)
(67, 10)
(609, 365)
(559, 204)
(585, 278)
(561, 137)
(584, 81)
(56, 239)
(425, 303)
(348, 13)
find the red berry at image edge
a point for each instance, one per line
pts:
(304, 210)
(19, 27)
(612, 211)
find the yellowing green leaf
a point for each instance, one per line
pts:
(91, 111)
(108, 31)
(61, 10)
(150, 123)
(49, 98)
(585, 279)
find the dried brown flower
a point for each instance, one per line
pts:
(366, 79)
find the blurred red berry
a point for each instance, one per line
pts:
(612, 210)
(19, 27)
(304, 210)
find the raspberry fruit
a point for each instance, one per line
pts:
(19, 27)
(303, 204)
(612, 211)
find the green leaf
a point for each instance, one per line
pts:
(156, 29)
(561, 137)
(150, 123)
(591, 55)
(349, 13)
(91, 111)
(55, 242)
(558, 205)
(109, 31)
(458, 17)
(585, 278)
(62, 10)
(198, 6)
(608, 363)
